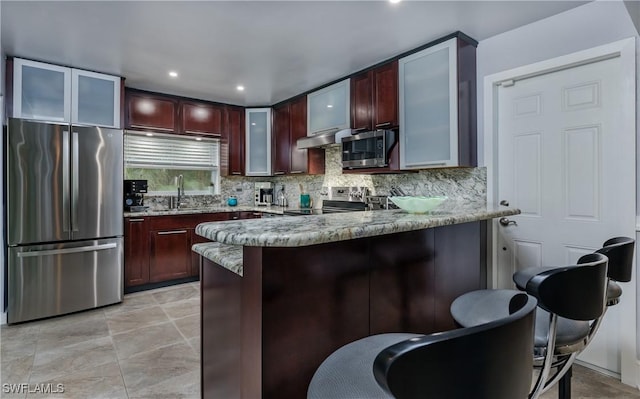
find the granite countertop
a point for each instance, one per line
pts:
(209, 209)
(227, 256)
(298, 231)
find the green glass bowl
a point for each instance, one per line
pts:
(417, 204)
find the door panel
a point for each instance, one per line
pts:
(37, 178)
(54, 279)
(566, 161)
(97, 182)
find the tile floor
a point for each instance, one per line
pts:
(148, 347)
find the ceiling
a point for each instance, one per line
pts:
(276, 49)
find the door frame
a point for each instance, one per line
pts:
(625, 49)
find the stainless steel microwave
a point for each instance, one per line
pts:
(368, 149)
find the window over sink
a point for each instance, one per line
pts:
(160, 159)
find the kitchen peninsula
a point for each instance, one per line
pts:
(279, 295)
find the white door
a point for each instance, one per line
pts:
(566, 160)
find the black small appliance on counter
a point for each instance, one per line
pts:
(134, 191)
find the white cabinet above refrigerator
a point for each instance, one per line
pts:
(55, 93)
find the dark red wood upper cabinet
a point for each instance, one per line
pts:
(280, 146)
(234, 134)
(201, 118)
(309, 161)
(385, 96)
(361, 101)
(374, 98)
(146, 111)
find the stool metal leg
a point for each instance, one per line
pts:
(564, 386)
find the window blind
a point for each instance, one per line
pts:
(169, 152)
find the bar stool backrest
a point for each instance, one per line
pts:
(574, 292)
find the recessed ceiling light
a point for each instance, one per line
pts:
(329, 106)
(394, 1)
(240, 88)
(173, 74)
(149, 134)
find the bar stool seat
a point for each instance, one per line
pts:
(347, 373)
(482, 306)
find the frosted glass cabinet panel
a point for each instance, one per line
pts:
(428, 93)
(95, 98)
(258, 137)
(329, 108)
(55, 93)
(41, 91)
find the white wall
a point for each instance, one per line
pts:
(587, 26)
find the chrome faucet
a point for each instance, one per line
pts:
(180, 184)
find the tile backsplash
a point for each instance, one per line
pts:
(467, 184)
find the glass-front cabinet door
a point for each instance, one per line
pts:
(428, 107)
(41, 91)
(329, 108)
(95, 99)
(258, 142)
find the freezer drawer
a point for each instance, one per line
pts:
(54, 279)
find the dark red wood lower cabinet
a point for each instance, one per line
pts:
(264, 334)
(170, 255)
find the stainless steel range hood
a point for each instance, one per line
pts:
(323, 138)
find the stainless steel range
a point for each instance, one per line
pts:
(341, 199)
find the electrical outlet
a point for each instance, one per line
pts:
(238, 189)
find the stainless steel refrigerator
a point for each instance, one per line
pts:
(64, 218)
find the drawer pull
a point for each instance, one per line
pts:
(136, 220)
(164, 233)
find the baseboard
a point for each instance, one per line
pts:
(3, 318)
(598, 369)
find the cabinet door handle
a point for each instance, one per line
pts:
(293, 172)
(236, 173)
(136, 220)
(164, 233)
(361, 129)
(278, 173)
(383, 124)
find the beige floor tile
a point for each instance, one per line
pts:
(59, 361)
(125, 321)
(18, 341)
(184, 308)
(189, 326)
(102, 382)
(66, 320)
(589, 384)
(60, 334)
(146, 339)
(16, 371)
(132, 302)
(186, 386)
(150, 368)
(185, 291)
(195, 344)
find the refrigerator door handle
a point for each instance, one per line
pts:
(67, 250)
(66, 222)
(75, 183)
